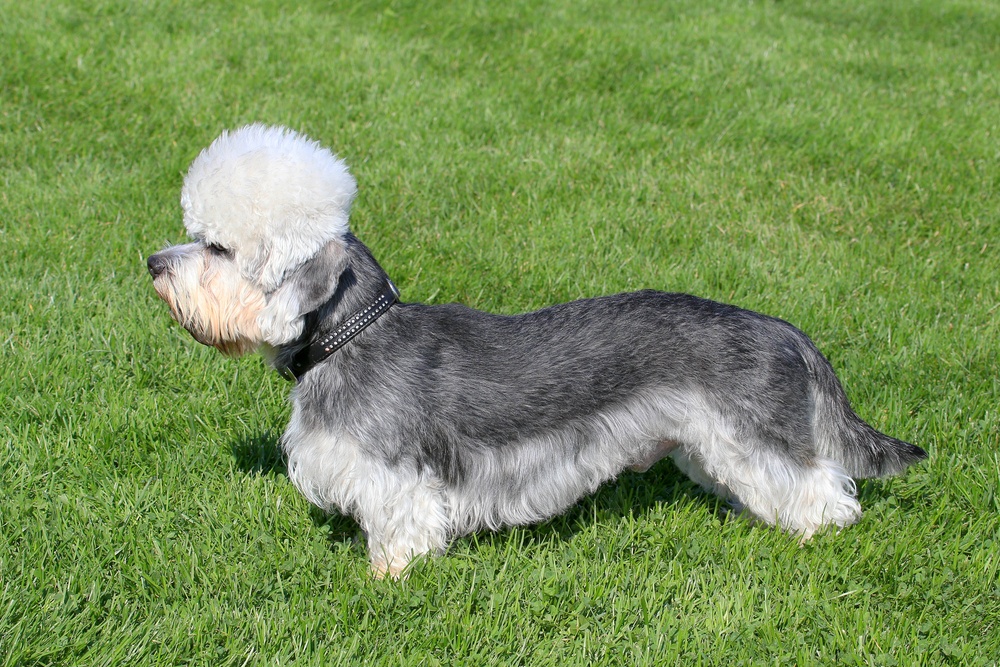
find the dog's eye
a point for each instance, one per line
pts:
(218, 250)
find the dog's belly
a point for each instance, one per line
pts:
(663, 449)
(532, 479)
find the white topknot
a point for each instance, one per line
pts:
(271, 195)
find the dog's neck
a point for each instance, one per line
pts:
(364, 293)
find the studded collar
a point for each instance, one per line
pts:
(321, 348)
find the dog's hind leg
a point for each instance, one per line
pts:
(799, 497)
(409, 520)
(767, 483)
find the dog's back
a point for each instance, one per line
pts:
(535, 371)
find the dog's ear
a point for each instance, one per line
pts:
(304, 290)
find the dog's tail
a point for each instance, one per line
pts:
(843, 436)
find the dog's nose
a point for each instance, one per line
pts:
(156, 265)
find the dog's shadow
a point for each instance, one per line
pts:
(262, 455)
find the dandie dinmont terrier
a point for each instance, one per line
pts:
(429, 422)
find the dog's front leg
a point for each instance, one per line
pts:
(411, 520)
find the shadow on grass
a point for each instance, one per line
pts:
(879, 492)
(262, 455)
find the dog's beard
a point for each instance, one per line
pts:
(215, 305)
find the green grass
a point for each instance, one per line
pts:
(831, 163)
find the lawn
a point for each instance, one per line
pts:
(832, 163)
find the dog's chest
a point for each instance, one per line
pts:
(324, 465)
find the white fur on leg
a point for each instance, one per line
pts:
(403, 513)
(800, 499)
(690, 466)
(413, 522)
(771, 486)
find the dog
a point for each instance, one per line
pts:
(425, 423)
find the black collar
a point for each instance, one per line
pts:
(320, 348)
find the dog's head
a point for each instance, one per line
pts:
(267, 210)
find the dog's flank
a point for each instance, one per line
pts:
(435, 421)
